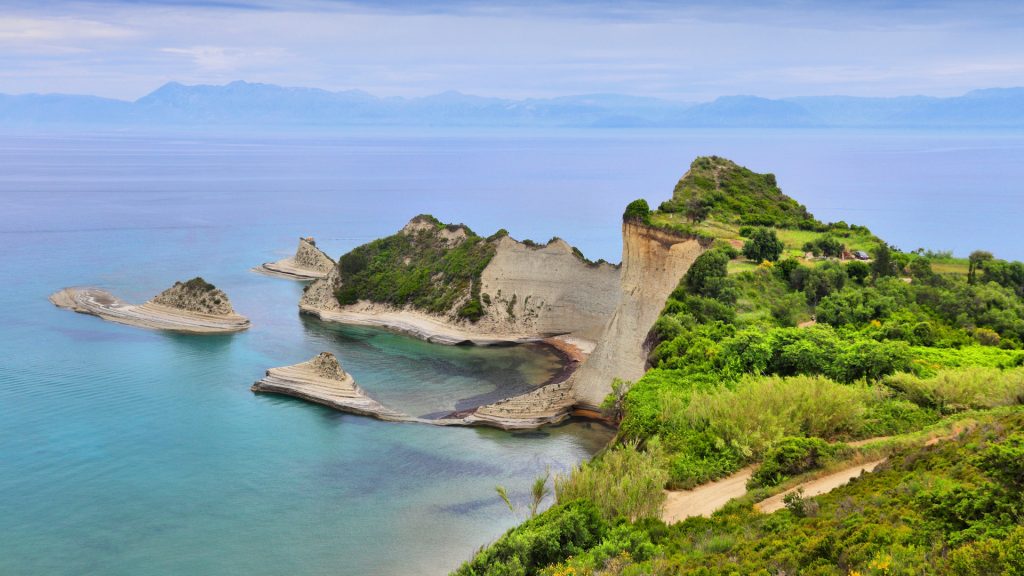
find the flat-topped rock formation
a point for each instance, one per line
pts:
(323, 381)
(195, 306)
(308, 263)
(526, 292)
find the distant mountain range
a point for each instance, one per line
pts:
(248, 105)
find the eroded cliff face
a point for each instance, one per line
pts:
(307, 255)
(653, 262)
(320, 295)
(546, 290)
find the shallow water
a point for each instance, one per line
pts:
(124, 451)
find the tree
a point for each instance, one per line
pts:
(824, 280)
(637, 210)
(857, 271)
(696, 209)
(707, 276)
(882, 264)
(976, 261)
(763, 245)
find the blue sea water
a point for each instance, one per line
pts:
(124, 451)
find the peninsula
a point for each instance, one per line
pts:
(847, 407)
(195, 306)
(308, 263)
(444, 283)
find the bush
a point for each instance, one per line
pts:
(564, 530)
(637, 211)
(707, 275)
(763, 245)
(793, 456)
(858, 271)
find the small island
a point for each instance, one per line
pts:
(308, 263)
(195, 306)
(323, 381)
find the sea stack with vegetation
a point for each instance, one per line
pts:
(308, 263)
(193, 306)
(792, 356)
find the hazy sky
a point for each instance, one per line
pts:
(679, 50)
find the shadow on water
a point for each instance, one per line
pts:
(201, 343)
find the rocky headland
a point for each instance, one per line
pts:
(523, 292)
(518, 291)
(308, 263)
(194, 306)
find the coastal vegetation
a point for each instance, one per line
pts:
(782, 356)
(434, 267)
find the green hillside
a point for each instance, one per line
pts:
(719, 189)
(779, 362)
(433, 267)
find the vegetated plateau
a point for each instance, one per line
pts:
(785, 344)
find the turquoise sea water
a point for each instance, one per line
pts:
(124, 451)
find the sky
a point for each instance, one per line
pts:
(686, 51)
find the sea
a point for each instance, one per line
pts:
(126, 451)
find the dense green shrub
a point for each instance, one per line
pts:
(637, 211)
(708, 276)
(793, 456)
(763, 244)
(562, 531)
(420, 269)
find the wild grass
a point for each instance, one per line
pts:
(761, 411)
(962, 389)
(622, 482)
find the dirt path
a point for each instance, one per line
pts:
(818, 486)
(704, 499)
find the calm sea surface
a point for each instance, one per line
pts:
(124, 451)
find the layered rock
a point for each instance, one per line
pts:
(308, 263)
(323, 381)
(195, 306)
(653, 263)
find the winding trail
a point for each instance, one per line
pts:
(818, 486)
(706, 498)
